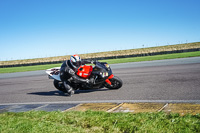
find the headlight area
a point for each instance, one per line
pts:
(104, 74)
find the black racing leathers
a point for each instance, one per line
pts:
(67, 72)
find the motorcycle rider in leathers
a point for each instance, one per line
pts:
(68, 73)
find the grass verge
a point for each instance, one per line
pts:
(110, 61)
(97, 122)
(27, 68)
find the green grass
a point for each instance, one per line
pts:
(97, 122)
(110, 61)
(28, 68)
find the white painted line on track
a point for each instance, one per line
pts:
(163, 107)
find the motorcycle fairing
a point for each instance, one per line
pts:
(110, 77)
(85, 71)
(54, 73)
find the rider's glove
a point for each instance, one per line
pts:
(94, 62)
(70, 79)
(90, 81)
(87, 81)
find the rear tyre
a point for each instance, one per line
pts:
(59, 85)
(116, 83)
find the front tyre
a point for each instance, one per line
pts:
(58, 85)
(116, 83)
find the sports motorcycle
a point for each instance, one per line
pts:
(100, 72)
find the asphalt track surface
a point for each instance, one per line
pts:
(150, 81)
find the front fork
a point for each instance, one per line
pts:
(110, 77)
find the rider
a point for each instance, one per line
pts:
(68, 72)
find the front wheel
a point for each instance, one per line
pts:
(116, 83)
(58, 85)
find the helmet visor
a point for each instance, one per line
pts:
(77, 64)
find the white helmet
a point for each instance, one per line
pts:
(75, 61)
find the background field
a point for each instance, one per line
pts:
(112, 54)
(109, 61)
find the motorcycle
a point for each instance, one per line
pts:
(100, 72)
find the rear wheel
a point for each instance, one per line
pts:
(116, 83)
(58, 85)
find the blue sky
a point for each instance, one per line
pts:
(44, 28)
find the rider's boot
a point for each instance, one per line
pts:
(68, 89)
